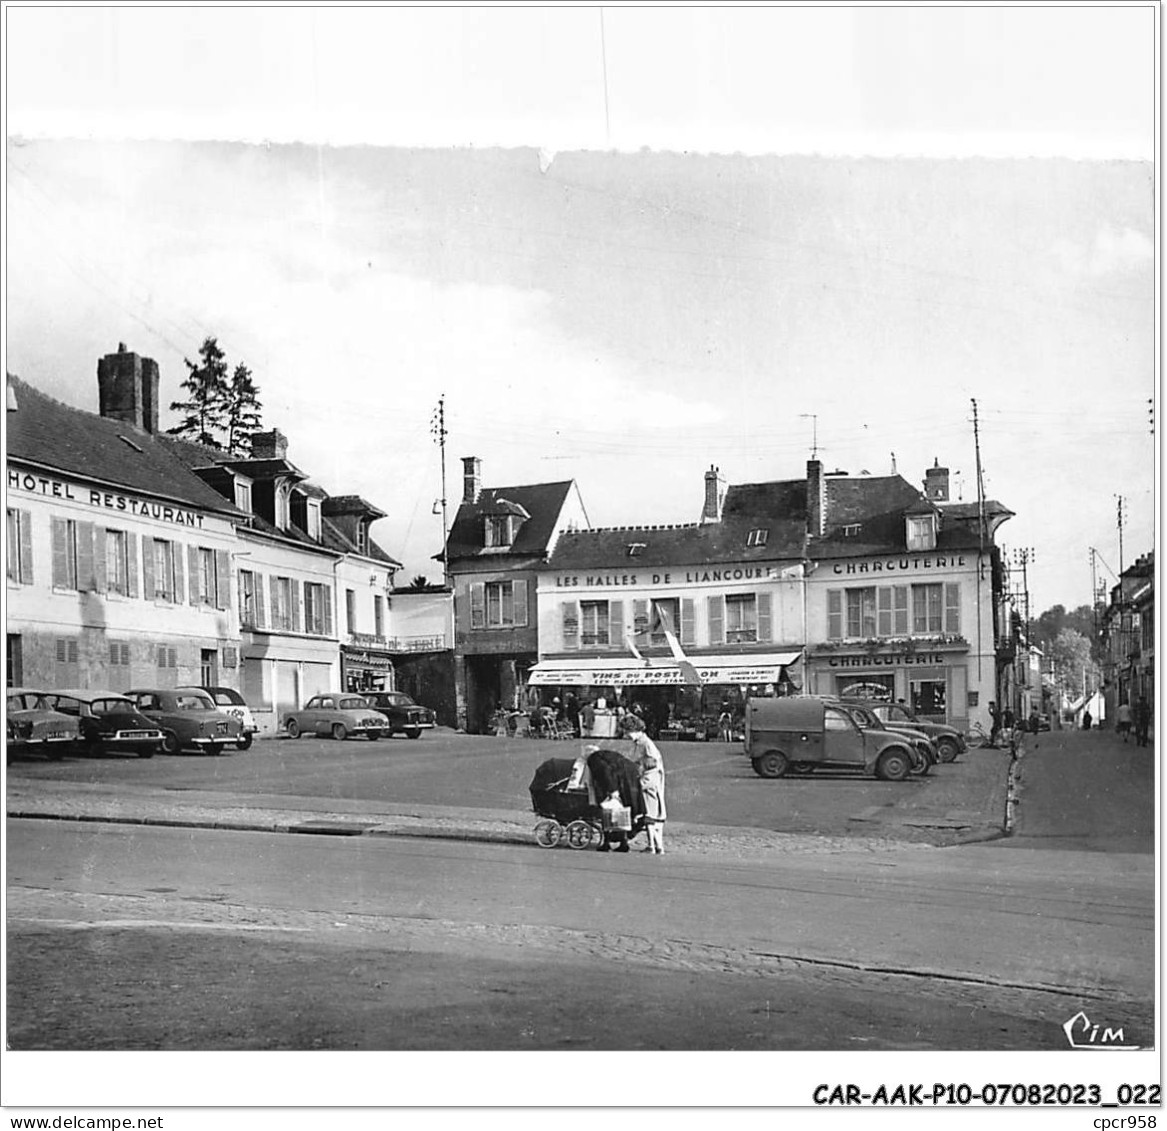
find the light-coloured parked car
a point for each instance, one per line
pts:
(187, 718)
(35, 728)
(338, 714)
(228, 700)
(110, 722)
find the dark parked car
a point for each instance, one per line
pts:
(404, 715)
(228, 700)
(35, 728)
(949, 741)
(108, 720)
(187, 718)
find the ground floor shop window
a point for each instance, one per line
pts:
(929, 697)
(881, 688)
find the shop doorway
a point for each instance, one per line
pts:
(929, 699)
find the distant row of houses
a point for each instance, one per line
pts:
(1127, 637)
(135, 558)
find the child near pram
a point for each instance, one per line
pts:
(567, 791)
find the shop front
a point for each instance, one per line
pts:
(673, 705)
(365, 669)
(933, 681)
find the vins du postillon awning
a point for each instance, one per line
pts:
(661, 671)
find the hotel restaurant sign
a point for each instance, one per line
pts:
(106, 500)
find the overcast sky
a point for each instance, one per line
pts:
(720, 259)
(623, 246)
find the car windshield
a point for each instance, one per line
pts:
(64, 703)
(225, 697)
(26, 702)
(112, 707)
(396, 699)
(353, 703)
(188, 701)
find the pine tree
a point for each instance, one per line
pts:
(242, 412)
(203, 415)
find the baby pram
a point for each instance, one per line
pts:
(574, 816)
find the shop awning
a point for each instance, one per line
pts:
(661, 671)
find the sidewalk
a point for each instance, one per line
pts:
(966, 801)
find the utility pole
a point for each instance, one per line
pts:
(438, 431)
(980, 478)
(1121, 506)
(1022, 558)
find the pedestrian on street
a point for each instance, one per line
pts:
(1087, 719)
(1142, 721)
(1123, 723)
(652, 782)
(995, 729)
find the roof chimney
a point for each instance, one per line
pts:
(714, 495)
(269, 445)
(471, 479)
(936, 482)
(128, 389)
(816, 499)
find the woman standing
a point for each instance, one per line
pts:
(652, 781)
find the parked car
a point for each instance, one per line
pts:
(949, 741)
(187, 718)
(802, 733)
(228, 700)
(108, 721)
(925, 754)
(35, 728)
(337, 714)
(404, 715)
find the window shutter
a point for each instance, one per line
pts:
(688, 620)
(616, 623)
(86, 582)
(295, 605)
(520, 603)
(100, 570)
(258, 604)
(883, 611)
(275, 603)
(222, 579)
(640, 621)
(132, 564)
(900, 604)
(148, 568)
(477, 604)
(326, 590)
(192, 574)
(26, 547)
(178, 585)
(60, 554)
(570, 623)
(834, 614)
(765, 617)
(952, 608)
(717, 620)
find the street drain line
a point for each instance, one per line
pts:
(938, 976)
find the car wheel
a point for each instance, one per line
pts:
(893, 765)
(170, 743)
(922, 764)
(412, 732)
(244, 742)
(948, 749)
(772, 764)
(339, 732)
(372, 735)
(293, 728)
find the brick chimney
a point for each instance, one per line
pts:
(714, 495)
(128, 389)
(816, 499)
(269, 445)
(936, 483)
(471, 479)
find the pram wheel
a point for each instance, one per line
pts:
(580, 834)
(548, 834)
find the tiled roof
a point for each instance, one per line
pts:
(335, 538)
(351, 504)
(542, 501)
(864, 497)
(783, 498)
(696, 544)
(54, 435)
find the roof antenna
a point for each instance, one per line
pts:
(814, 454)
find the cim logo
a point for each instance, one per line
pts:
(1082, 1033)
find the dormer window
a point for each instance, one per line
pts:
(851, 530)
(499, 530)
(757, 537)
(921, 532)
(313, 516)
(243, 495)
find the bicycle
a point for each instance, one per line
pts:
(1008, 738)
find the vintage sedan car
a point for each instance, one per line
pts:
(187, 718)
(338, 714)
(229, 700)
(949, 741)
(405, 716)
(923, 749)
(35, 728)
(109, 721)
